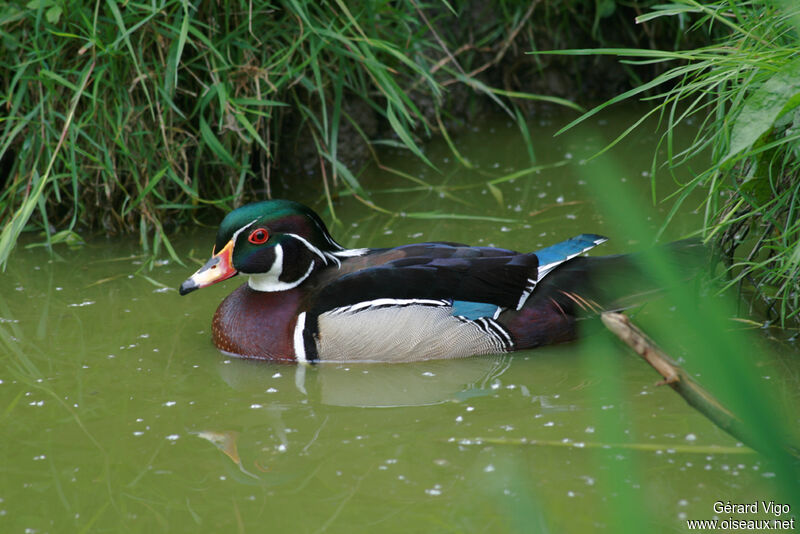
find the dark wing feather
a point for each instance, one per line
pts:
(432, 271)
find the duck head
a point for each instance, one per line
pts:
(277, 243)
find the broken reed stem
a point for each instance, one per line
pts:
(676, 377)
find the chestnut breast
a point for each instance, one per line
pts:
(257, 324)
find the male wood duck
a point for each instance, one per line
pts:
(309, 299)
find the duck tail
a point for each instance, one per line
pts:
(584, 287)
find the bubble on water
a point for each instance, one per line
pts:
(435, 490)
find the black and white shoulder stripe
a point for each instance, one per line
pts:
(377, 304)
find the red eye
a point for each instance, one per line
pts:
(258, 236)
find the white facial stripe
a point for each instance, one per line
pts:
(242, 229)
(327, 236)
(269, 281)
(299, 345)
(334, 259)
(310, 247)
(331, 256)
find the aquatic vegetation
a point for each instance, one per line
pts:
(130, 117)
(742, 92)
(136, 117)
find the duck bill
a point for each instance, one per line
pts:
(217, 269)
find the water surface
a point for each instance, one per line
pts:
(118, 414)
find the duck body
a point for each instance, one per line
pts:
(308, 299)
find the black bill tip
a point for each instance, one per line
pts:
(188, 286)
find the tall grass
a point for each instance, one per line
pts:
(128, 117)
(135, 117)
(744, 93)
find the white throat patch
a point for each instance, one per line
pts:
(269, 281)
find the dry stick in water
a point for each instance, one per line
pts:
(677, 378)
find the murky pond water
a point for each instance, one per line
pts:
(118, 415)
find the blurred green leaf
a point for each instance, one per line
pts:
(53, 14)
(778, 95)
(496, 193)
(404, 135)
(213, 143)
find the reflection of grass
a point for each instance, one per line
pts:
(589, 445)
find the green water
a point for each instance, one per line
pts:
(118, 415)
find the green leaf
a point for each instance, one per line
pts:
(151, 184)
(667, 10)
(68, 237)
(605, 8)
(405, 136)
(778, 95)
(247, 125)
(36, 4)
(53, 14)
(496, 193)
(213, 143)
(258, 102)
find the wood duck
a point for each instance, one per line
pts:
(309, 299)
